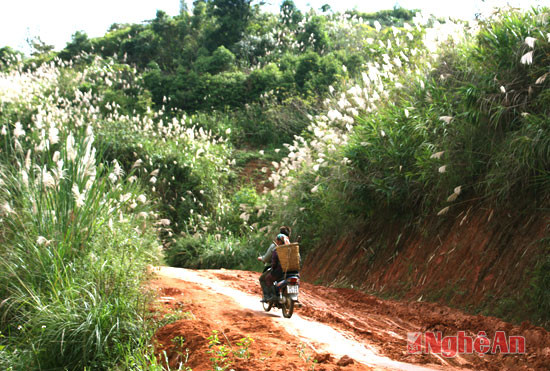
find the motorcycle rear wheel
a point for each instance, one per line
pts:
(288, 307)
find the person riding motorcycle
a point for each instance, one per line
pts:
(272, 269)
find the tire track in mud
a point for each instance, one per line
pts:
(325, 341)
(385, 323)
(382, 325)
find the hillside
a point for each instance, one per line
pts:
(411, 154)
(485, 261)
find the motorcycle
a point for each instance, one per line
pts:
(287, 291)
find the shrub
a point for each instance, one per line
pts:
(214, 253)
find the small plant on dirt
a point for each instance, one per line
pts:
(175, 316)
(188, 315)
(308, 358)
(219, 353)
(179, 341)
(244, 344)
(182, 365)
(168, 319)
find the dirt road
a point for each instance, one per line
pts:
(336, 329)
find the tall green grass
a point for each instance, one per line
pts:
(75, 237)
(481, 110)
(71, 273)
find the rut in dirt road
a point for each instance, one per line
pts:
(373, 332)
(322, 338)
(249, 340)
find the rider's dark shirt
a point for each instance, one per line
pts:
(276, 269)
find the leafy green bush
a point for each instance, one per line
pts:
(221, 60)
(8, 57)
(215, 252)
(270, 123)
(314, 34)
(396, 16)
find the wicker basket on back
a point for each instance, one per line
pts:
(289, 256)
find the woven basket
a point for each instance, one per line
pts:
(289, 256)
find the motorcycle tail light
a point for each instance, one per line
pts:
(293, 280)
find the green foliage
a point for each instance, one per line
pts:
(231, 17)
(219, 353)
(394, 17)
(264, 79)
(244, 344)
(221, 60)
(308, 66)
(123, 93)
(492, 141)
(269, 123)
(314, 35)
(224, 55)
(39, 47)
(213, 252)
(470, 127)
(146, 359)
(8, 56)
(76, 294)
(80, 43)
(8, 357)
(315, 74)
(291, 16)
(537, 295)
(387, 152)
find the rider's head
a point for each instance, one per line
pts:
(285, 230)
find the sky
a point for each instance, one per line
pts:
(54, 21)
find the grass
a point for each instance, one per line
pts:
(75, 242)
(71, 282)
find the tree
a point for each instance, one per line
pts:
(39, 47)
(308, 66)
(78, 44)
(199, 14)
(232, 18)
(8, 56)
(290, 14)
(315, 35)
(183, 7)
(326, 8)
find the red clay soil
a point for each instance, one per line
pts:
(380, 324)
(472, 258)
(252, 174)
(201, 312)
